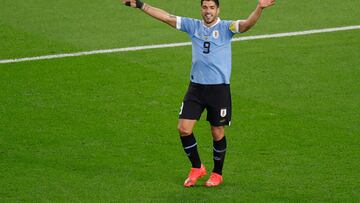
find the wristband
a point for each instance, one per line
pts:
(139, 4)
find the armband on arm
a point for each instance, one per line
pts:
(235, 27)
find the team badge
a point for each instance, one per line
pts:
(215, 34)
(223, 113)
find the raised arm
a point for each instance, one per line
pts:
(156, 13)
(245, 25)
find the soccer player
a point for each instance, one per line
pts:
(209, 86)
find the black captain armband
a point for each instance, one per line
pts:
(139, 4)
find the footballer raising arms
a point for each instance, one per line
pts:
(209, 86)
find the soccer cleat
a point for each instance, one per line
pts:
(194, 175)
(214, 180)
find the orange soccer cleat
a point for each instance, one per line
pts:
(214, 180)
(194, 175)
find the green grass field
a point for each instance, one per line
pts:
(102, 128)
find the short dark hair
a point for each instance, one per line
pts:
(216, 2)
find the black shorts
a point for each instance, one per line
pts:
(216, 99)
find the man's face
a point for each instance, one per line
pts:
(209, 12)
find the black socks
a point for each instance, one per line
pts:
(219, 155)
(190, 148)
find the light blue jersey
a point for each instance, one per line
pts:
(211, 49)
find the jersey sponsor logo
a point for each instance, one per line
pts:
(223, 112)
(216, 34)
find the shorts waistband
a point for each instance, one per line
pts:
(208, 85)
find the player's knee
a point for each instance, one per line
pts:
(217, 132)
(183, 131)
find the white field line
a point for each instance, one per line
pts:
(137, 48)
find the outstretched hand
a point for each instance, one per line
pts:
(133, 3)
(266, 3)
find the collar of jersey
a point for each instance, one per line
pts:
(217, 22)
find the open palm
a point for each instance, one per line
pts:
(266, 3)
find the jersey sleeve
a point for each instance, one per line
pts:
(186, 24)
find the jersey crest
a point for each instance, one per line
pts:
(215, 34)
